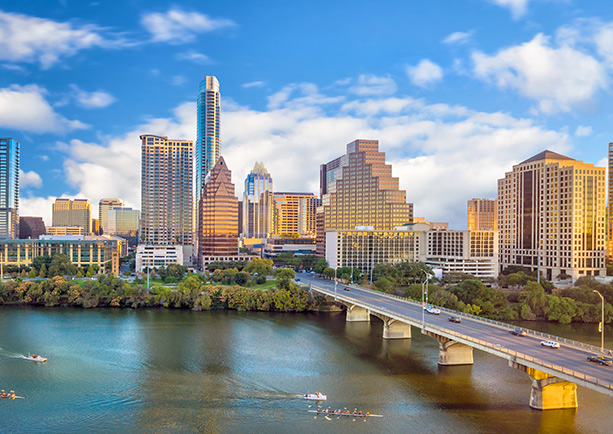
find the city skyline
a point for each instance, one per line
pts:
(446, 93)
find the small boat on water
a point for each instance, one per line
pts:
(35, 358)
(10, 395)
(347, 413)
(315, 396)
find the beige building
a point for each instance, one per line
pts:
(76, 212)
(481, 215)
(123, 221)
(294, 213)
(551, 215)
(610, 205)
(103, 211)
(65, 230)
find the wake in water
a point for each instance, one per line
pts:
(9, 354)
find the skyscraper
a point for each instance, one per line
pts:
(481, 215)
(166, 192)
(103, 209)
(610, 205)
(208, 142)
(257, 203)
(71, 213)
(294, 213)
(551, 215)
(31, 227)
(9, 188)
(218, 216)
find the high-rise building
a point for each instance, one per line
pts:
(123, 221)
(481, 215)
(31, 227)
(166, 192)
(610, 205)
(551, 216)
(218, 216)
(294, 213)
(103, 209)
(67, 213)
(208, 139)
(9, 188)
(257, 203)
(361, 191)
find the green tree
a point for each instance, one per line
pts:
(32, 273)
(284, 276)
(386, 284)
(320, 266)
(43, 271)
(261, 266)
(329, 273)
(90, 271)
(242, 277)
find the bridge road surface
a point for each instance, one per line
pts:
(567, 356)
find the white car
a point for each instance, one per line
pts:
(550, 344)
(432, 310)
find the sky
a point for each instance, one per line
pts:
(456, 92)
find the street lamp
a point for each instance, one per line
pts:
(424, 298)
(335, 283)
(601, 323)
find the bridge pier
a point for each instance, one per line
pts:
(549, 392)
(450, 352)
(357, 313)
(394, 329)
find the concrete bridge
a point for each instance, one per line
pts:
(555, 373)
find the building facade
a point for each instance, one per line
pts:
(610, 205)
(166, 192)
(103, 210)
(218, 216)
(9, 188)
(157, 256)
(257, 203)
(294, 213)
(208, 138)
(31, 227)
(551, 216)
(123, 221)
(481, 215)
(68, 213)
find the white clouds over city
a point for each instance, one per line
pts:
(179, 26)
(425, 73)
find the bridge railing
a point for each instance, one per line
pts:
(500, 324)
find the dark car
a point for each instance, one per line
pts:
(455, 319)
(518, 332)
(347, 288)
(599, 359)
(296, 280)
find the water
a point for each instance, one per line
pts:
(177, 371)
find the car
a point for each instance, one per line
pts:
(518, 332)
(347, 288)
(550, 344)
(455, 319)
(432, 310)
(296, 280)
(600, 359)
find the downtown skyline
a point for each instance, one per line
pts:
(459, 95)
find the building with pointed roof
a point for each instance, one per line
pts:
(257, 203)
(551, 216)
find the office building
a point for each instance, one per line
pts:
(208, 138)
(166, 192)
(359, 190)
(157, 256)
(123, 221)
(103, 209)
(218, 217)
(9, 188)
(610, 205)
(257, 203)
(276, 245)
(481, 215)
(31, 227)
(65, 230)
(551, 216)
(294, 213)
(69, 213)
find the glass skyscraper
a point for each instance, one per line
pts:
(257, 203)
(208, 142)
(9, 188)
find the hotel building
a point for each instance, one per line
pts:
(208, 141)
(551, 216)
(481, 215)
(103, 210)
(9, 188)
(294, 213)
(69, 213)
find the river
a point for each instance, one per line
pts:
(134, 371)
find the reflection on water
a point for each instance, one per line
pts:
(175, 371)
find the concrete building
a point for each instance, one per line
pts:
(67, 212)
(9, 188)
(481, 215)
(208, 137)
(294, 213)
(157, 256)
(471, 252)
(121, 246)
(65, 230)
(123, 221)
(103, 210)
(257, 203)
(551, 215)
(275, 245)
(610, 205)
(359, 190)
(166, 193)
(31, 227)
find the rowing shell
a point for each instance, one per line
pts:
(16, 397)
(332, 413)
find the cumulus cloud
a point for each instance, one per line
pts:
(558, 78)
(29, 179)
(517, 7)
(195, 57)
(254, 84)
(458, 38)
(37, 207)
(425, 73)
(25, 108)
(96, 99)
(179, 26)
(583, 131)
(369, 85)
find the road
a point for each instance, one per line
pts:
(568, 356)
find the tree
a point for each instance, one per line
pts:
(43, 271)
(386, 284)
(241, 278)
(329, 273)
(308, 261)
(320, 266)
(261, 266)
(90, 271)
(32, 273)
(284, 276)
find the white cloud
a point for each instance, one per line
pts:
(96, 99)
(425, 73)
(583, 131)
(37, 207)
(254, 84)
(25, 108)
(557, 78)
(195, 57)
(178, 80)
(517, 7)
(458, 38)
(370, 85)
(29, 179)
(179, 26)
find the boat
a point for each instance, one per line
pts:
(35, 358)
(346, 413)
(315, 396)
(10, 395)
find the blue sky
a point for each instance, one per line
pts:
(455, 91)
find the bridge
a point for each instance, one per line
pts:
(555, 373)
